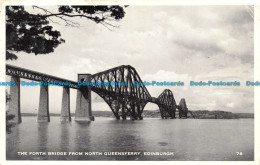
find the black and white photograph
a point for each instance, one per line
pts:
(129, 82)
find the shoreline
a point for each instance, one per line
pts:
(201, 114)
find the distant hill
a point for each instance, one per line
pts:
(245, 115)
(198, 114)
(205, 114)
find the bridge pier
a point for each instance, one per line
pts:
(14, 103)
(43, 111)
(83, 105)
(139, 112)
(124, 109)
(65, 107)
(132, 118)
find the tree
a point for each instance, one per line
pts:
(32, 33)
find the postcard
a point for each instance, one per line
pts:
(132, 82)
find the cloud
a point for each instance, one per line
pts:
(164, 43)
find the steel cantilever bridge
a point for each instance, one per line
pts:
(124, 100)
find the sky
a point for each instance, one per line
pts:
(163, 43)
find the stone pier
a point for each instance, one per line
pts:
(14, 103)
(43, 111)
(65, 107)
(83, 105)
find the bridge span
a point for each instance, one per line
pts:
(124, 100)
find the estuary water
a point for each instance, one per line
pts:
(151, 139)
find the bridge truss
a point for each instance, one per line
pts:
(124, 99)
(130, 99)
(183, 110)
(167, 104)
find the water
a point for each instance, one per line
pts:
(188, 139)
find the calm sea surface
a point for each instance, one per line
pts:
(188, 139)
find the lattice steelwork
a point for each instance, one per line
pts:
(124, 99)
(183, 110)
(35, 76)
(167, 104)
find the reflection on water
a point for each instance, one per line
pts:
(82, 138)
(13, 143)
(189, 139)
(64, 137)
(42, 136)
